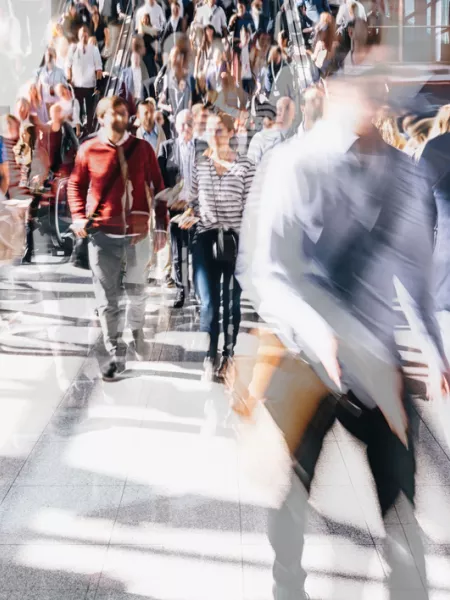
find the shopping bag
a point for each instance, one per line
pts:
(12, 229)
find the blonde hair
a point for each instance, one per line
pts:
(441, 123)
(388, 128)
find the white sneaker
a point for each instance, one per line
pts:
(208, 370)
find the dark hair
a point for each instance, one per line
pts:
(109, 102)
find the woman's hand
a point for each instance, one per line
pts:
(187, 220)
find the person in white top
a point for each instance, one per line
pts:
(211, 14)
(84, 68)
(266, 139)
(157, 16)
(70, 106)
(349, 11)
(48, 77)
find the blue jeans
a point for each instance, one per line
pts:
(211, 278)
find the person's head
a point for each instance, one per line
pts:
(112, 114)
(28, 135)
(420, 131)
(275, 55)
(312, 106)
(63, 91)
(83, 35)
(257, 6)
(11, 127)
(220, 129)
(241, 8)
(208, 34)
(326, 30)
(146, 20)
(175, 9)
(73, 10)
(22, 109)
(200, 119)
(138, 45)
(146, 114)
(441, 123)
(151, 2)
(353, 102)
(285, 113)
(57, 114)
(184, 125)
(283, 40)
(50, 56)
(358, 32)
(211, 2)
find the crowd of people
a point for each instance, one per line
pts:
(211, 145)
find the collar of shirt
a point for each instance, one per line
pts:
(105, 140)
(174, 23)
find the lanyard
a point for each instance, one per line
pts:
(275, 77)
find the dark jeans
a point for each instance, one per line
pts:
(179, 241)
(212, 277)
(30, 226)
(393, 468)
(87, 100)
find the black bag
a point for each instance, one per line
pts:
(225, 248)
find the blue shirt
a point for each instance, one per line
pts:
(152, 137)
(2, 152)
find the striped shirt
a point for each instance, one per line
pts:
(219, 200)
(14, 168)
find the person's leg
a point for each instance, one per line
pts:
(90, 108)
(135, 283)
(79, 95)
(106, 257)
(287, 524)
(207, 275)
(176, 247)
(231, 295)
(29, 229)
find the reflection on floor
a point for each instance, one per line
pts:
(133, 490)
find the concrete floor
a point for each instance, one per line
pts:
(135, 491)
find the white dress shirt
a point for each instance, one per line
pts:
(157, 16)
(137, 82)
(84, 62)
(215, 16)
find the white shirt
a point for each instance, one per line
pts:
(214, 16)
(157, 17)
(343, 15)
(137, 82)
(84, 65)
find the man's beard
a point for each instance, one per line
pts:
(119, 127)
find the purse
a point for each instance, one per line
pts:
(225, 246)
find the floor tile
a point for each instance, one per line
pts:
(9, 469)
(63, 569)
(156, 573)
(75, 515)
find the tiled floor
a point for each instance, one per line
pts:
(134, 490)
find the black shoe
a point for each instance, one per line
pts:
(223, 367)
(170, 283)
(112, 370)
(140, 345)
(26, 260)
(179, 300)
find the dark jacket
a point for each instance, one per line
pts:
(169, 162)
(169, 32)
(126, 89)
(436, 162)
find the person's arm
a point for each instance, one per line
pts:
(107, 38)
(162, 162)
(4, 177)
(223, 22)
(98, 63)
(77, 191)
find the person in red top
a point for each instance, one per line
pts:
(110, 197)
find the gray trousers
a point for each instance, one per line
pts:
(120, 273)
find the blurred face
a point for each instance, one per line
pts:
(285, 113)
(115, 120)
(49, 56)
(23, 110)
(83, 36)
(147, 117)
(135, 59)
(210, 34)
(211, 2)
(185, 128)
(241, 10)
(175, 11)
(12, 129)
(257, 6)
(73, 11)
(218, 135)
(56, 114)
(200, 121)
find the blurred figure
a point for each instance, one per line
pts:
(173, 29)
(70, 107)
(418, 135)
(200, 119)
(278, 79)
(324, 48)
(212, 14)
(48, 77)
(435, 159)
(320, 264)
(314, 8)
(84, 69)
(156, 14)
(134, 86)
(72, 23)
(312, 109)
(11, 170)
(176, 94)
(176, 160)
(219, 189)
(109, 201)
(267, 139)
(37, 105)
(389, 131)
(149, 130)
(4, 170)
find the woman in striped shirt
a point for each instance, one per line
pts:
(221, 182)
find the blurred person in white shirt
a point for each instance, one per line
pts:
(156, 13)
(84, 68)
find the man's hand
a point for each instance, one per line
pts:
(79, 228)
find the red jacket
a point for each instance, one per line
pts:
(97, 172)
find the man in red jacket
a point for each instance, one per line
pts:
(110, 197)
